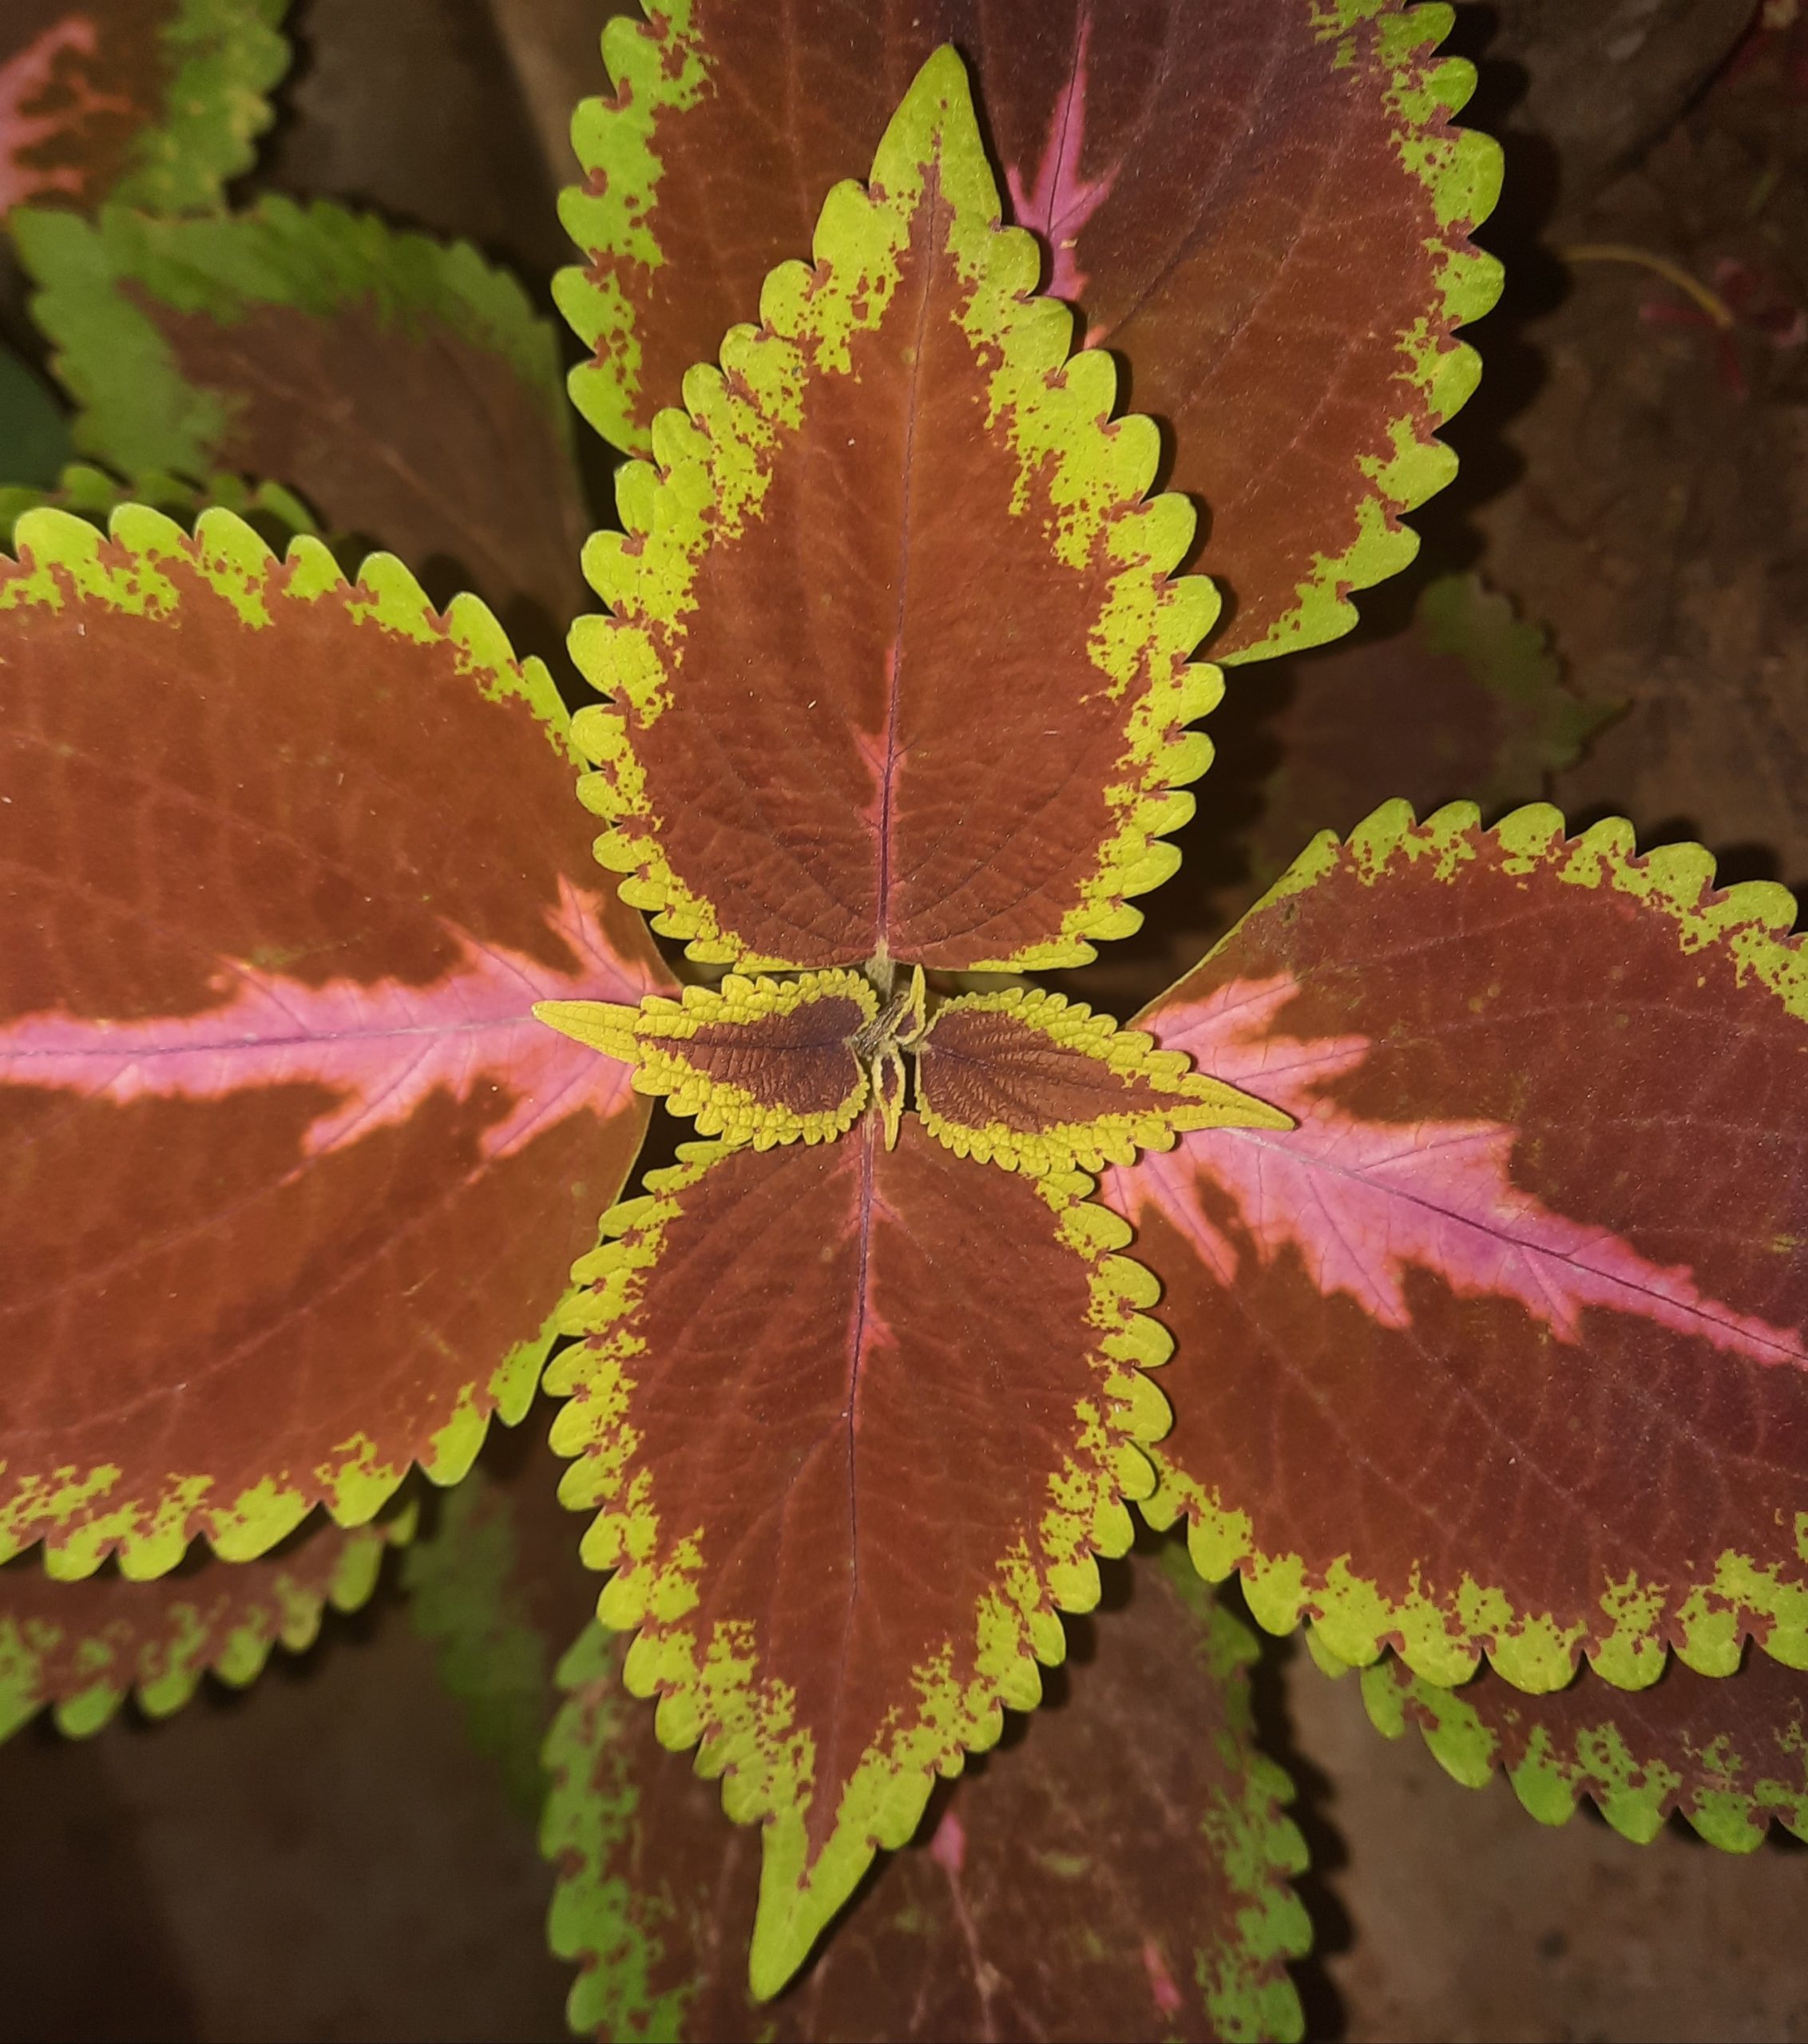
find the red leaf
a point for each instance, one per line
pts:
(79, 1647)
(858, 1418)
(153, 101)
(407, 390)
(900, 482)
(1100, 1878)
(1727, 1752)
(1267, 216)
(290, 1179)
(1504, 1340)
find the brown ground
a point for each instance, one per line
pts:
(328, 1859)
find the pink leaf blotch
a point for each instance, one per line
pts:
(382, 1046)
(1361, 1200)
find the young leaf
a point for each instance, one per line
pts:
(291, 1179)
(1729, 1751)
(33, 433)
(761, 1060)
(78, 1647)
(1122, 1871)
(151, 102)
(1264, 209)
(899, 667)
(405, 389)
(1032, 1082)
(1468, 699)
(858, 1418)
(1500, 1349)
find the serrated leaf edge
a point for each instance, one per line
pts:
(1460, 169)
(292, 1621)
(1634, 1795)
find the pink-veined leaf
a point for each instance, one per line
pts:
(405, 388)
(151, 102)
(858, 1418)
(1729, 1753)
(1500, 1349)
(1262, 204)
(1121, 1871)
(899, 483)
(291, 1180)
(78, 1648)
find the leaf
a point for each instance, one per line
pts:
(1032, 1082)
(1121, 1873)
(1267, 216)
(1467, 699)
(290, 1179)
(896, 484)
(78, 1648)
(1500, 1350)
(151, 102)
(858, 1418)
(1726, 1751)
(274, 513)
(405, 389)
(761, 1060)
(34, 431)
(494, 1583)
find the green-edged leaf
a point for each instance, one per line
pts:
(1467, 700)
(78, 1648)
(405, 388)
(495, 1585)
(1036, 1082)
(275, 514)
(34, 440)
(762, 1061)
(1262, 206)
(151, 102)
(858, 1419)
(1122, 1871)
(1731, 1752)
(290, 1178)
(1500, 1350)
(899, 667)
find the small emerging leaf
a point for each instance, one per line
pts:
(858, 1419)
(79, 1647)
(291, 1179)
(406, 390)
(1501, 1350)
(1031, 1082)
(762, 1061)
(1731, 1752)
(1121, 1871)
(151, 102)
(899, 667)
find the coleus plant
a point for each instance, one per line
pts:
(325, 1039)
